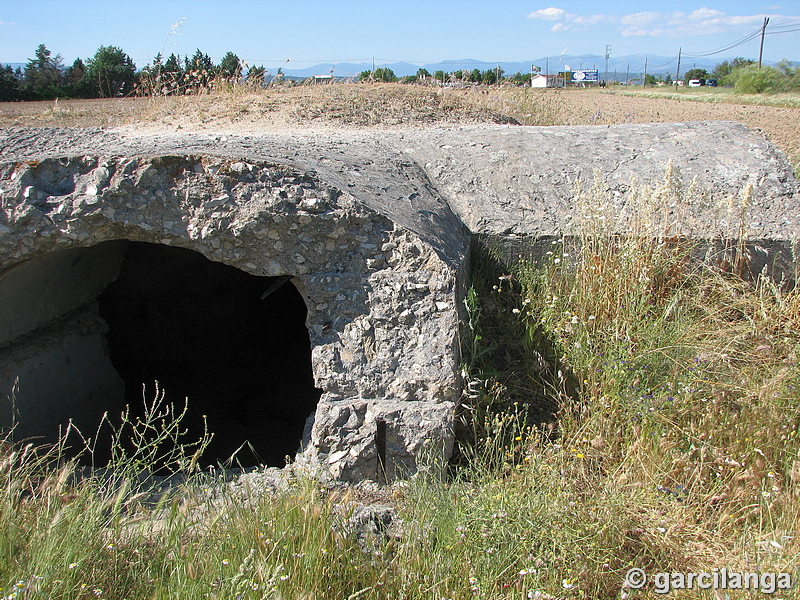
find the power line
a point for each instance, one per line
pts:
(669, 62)
(739, 42)
(785, 23)
(783, 31)
(758, 33)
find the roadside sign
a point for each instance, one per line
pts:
(585, 75)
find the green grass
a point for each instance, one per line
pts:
(676, 439)
(625, 406)
(713, 95)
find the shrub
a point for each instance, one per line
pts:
(754, 80)
(111, 73)
(10, 84)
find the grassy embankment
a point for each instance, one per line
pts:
(712, 95)
(298, 107)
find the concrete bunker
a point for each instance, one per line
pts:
(374, 233)
(142, 249)
(117, 317)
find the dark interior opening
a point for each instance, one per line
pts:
(207, 332)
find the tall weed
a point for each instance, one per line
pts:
(676, 449)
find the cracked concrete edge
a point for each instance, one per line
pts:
(366, 168)
(502, 181)
(382, 303)
(521, 181)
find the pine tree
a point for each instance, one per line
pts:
(111, 73)
(43, 74)
(10, 84)
(230, 66)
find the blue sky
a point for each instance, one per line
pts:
(307, 32)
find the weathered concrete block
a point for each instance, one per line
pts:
(371, 231)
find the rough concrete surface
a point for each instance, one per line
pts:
(373, 228)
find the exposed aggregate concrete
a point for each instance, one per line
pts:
(373, 228)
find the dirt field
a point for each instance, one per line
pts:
(399, 106)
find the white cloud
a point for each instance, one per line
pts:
(593, 19)
(705, 13)
(701, 21)
(549, 14)
(569, 21)
(640, 19)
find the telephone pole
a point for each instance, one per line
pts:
(608, 53)
(761, 49)
(644, 79)
(678, 70)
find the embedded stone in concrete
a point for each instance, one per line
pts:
(355, 271)
(369, 229)
(521, 181)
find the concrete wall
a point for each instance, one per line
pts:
(374, 229)
(40, 290)
(380, 282)
(60, 371)
(54, 362)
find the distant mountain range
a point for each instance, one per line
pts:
(633, 65)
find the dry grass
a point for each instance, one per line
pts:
(714, 95)
(672, 449)
(673, 443)
(351, 105)
(391, 105)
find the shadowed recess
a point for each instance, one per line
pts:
(206, 331)
(85, 331)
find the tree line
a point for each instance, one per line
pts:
(487, 77)
(743, 74)
(111, 73)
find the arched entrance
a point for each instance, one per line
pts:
(234, 344)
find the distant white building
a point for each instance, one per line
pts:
(539, 81)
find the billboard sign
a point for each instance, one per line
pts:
(585, 75)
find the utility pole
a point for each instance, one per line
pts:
(644, 79)
(761, 49)
(678, 70)
(627, 74)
